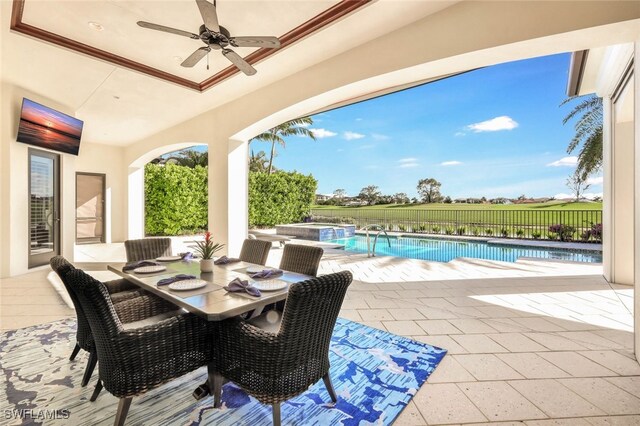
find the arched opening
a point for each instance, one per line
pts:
(136, 186)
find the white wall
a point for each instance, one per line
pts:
(98, 158)
(14, 183)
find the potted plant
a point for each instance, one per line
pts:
(205, 250)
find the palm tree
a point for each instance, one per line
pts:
(588, 134)
(187, 158)
(258, 162)
(277, 134)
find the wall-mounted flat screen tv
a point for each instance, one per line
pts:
(48, 128)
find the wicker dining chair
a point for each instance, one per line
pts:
(255, 251)
(120, 291)
(139, 356)
(147, 248)
(301, 259)
(274, 367)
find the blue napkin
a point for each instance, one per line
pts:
(242, 286)
(266, 273)
(175, 278)
(186, 255)
(133, 265)
(223, 260)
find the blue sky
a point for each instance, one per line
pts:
(494, 132)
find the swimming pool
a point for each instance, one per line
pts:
(441, 250)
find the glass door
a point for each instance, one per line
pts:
(90, 189)
(44, 203)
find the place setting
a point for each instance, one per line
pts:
(186, 285)
(144, 267)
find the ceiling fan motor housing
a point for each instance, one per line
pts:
(213, 39)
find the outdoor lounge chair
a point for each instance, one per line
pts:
(276, 366)
(270, 237)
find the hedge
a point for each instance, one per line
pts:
(282, 197)
(175, 199)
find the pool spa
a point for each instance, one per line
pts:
(445, 250)
(316, 231)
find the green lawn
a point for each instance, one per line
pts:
(553, 205)
(476, 219)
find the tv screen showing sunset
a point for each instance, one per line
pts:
(47, 128)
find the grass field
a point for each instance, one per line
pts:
(553, 205)
(508, 220)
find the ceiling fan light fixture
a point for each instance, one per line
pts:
(96, 26)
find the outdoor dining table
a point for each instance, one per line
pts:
(211, 302)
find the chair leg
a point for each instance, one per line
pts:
(75, 352)
(123, 409)
(276, 413)
(215, 381)
(329, 386)
(96, 391)
(91, 364)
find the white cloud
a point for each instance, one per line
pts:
(595, 180)
(379, 137)
(339, 150)
(348, 135)
(459, 134)
(358, 119)
(565, 162)
(450, 163)
(322, 133)
(409, 162)
(503, 122)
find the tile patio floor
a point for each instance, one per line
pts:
(536, 343)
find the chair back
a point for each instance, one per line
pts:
(255, 251)
(147, 248)
(61, 266)
(309, 316)
(301, 259)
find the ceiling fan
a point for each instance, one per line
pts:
(216, 37)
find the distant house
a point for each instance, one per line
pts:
(323, 197)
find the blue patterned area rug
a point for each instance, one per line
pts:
(375, 375)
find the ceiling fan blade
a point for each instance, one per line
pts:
(268, 42)
(195, 57)
(157, 27)
(237, 60)
(209, 15)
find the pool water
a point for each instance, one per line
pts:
(441, 250)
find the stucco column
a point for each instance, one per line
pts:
(228, 217)
(238, 199)
(135, 209)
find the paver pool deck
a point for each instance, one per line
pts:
(532, 342)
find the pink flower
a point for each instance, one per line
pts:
(207, 237)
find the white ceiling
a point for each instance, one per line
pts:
(120, 106)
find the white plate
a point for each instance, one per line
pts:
(270, 285)
(187, 284)
(168, 258)
(150, 269)
(255, 269)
